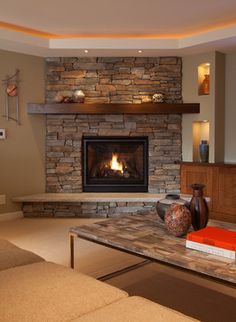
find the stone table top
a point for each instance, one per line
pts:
(146, 236)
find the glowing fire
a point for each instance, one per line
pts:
(114, 164)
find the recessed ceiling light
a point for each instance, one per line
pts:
(140, 51)
(86, 51)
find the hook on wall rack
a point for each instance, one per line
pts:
(11, 108)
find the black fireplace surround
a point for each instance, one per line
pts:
(115, 164)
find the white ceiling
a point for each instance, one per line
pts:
(108, 28)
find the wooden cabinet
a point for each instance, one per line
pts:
(220, 182)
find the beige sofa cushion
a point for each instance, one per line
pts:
(134, 309)
(12, 256)
(49, 292)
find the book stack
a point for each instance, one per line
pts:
(213, 240)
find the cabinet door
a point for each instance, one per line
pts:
(196, 174)
(224, 193)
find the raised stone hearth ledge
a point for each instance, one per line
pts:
(95, 197)
(88, 205)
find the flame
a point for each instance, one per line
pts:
(114, 164)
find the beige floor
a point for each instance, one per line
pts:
(193, 295)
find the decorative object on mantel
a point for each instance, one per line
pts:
(204, 151)
(146, 99)
(158, 98)
(11, 97)
(68, 99)
(78, 96)
(198, 207)
(178, 220)
(164, 204)
(59, 98)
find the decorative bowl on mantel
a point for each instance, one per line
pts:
(78, 96)
(164, 204)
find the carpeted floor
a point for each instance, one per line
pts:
(193, 295)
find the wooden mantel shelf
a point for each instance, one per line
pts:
(145, 108)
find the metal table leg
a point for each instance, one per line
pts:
(72, 259)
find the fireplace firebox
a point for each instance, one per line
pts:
(115, 164)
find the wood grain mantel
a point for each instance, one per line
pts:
(145, 108)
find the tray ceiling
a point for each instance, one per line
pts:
(146, 25)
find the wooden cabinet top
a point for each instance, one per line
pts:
(208, 164)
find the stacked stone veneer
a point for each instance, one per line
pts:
(115, 80)
(110, 80)
(85, 209)
(64, 134)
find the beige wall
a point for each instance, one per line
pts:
(212, 106)
(230, 108)
(190, 95)
(22, 153)
(220, 107)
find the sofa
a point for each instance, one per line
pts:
(32, 289)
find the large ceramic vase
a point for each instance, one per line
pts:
(164, 204)
(198, 207)
(178, 220)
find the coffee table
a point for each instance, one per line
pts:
(147, 237)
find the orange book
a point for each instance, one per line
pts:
(214, 236)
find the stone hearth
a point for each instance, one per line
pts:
(88, 204)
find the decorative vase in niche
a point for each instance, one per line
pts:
(198, 207)
(178, 220)
(205, 86)
(163, 204)
(204, 151)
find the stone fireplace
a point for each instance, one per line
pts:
(111, 80)
(115, 164)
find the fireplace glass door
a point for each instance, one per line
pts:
(115, 164)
